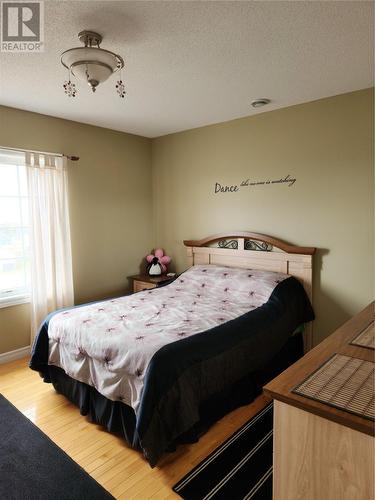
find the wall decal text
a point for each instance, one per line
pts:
(221, 188)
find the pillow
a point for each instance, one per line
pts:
(240, 285)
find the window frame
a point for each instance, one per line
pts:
(15, 300)
(23, 295)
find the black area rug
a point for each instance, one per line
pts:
(240, 469)
(32, 467)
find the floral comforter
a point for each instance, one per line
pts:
(110, 344)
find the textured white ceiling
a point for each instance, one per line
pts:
(190, 64)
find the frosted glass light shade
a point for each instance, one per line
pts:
(91, 64)
(91, 72)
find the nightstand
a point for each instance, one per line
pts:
(146, 282)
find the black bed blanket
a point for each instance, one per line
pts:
(185, 374)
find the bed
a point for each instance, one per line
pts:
(159, 366)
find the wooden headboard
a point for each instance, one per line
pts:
(256, 251)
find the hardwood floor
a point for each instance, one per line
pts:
(107, 458)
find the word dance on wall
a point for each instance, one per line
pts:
(221, 188)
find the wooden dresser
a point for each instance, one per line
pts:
(322, 452)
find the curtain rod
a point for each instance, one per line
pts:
(70, 157)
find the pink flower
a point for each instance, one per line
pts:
(164, 260)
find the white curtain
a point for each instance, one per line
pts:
(51, 257)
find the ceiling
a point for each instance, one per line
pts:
(190, 64)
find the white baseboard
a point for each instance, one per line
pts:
(6, 357)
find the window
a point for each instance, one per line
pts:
(14, 230)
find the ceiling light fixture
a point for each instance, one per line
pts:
(92, 64)
(258, 103)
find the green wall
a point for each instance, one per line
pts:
(110, 199)
(327, 145)
(118, 212)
